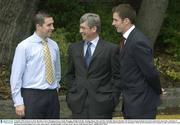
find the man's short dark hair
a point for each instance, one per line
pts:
(40, 16)
(125, 11)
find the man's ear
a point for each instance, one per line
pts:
(127, 20)
(38, 26)
(94, 29)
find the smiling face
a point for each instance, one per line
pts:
(118, 23)
(86, 32)
(46, 29)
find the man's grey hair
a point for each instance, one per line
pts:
(92, 20)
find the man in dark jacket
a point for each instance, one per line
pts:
(140, 81)
(93, 73)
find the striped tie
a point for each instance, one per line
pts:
(48, 63)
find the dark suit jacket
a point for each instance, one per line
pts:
(139, 78)
(98, 83)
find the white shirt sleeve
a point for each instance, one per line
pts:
(58, 68)
(18, 68)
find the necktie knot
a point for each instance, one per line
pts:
(43, 42)
(122, 40)
(89, 44)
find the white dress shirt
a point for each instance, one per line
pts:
(93, 45)
(126, 34)
(28, 68)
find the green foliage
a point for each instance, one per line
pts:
(67, 14)
(169, 36)
(168, 62)
(60, 37)
(170, 69)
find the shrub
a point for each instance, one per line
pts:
(169, 36)
(60, 37)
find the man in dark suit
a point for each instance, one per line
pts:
(93, 74)
(140, 81)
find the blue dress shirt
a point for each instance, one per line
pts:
(28, 68)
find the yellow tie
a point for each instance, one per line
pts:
(48, 63)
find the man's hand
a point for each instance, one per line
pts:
(163, 91)
(20, 110)
(164, 94)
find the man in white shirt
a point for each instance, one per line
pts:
(36, 73)
(140, 81)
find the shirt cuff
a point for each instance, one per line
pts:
(18, 100)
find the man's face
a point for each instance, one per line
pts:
(118, 23)
(87, 33)
(46, 29)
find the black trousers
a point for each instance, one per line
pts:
(87, 113)
(41, 104)
(148, 115)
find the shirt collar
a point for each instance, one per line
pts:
(37, 38)
(126, 34)
(94, 41)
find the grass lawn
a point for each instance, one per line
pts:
(168, 116)
(159, 117)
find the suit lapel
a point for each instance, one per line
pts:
(81, 48)
(81, 53)
(128, 42)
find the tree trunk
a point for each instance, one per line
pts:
(136, 4)
(15, 24)
(150, 17)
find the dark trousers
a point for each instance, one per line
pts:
(87, 113)
(148, 115)
(41, 104)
